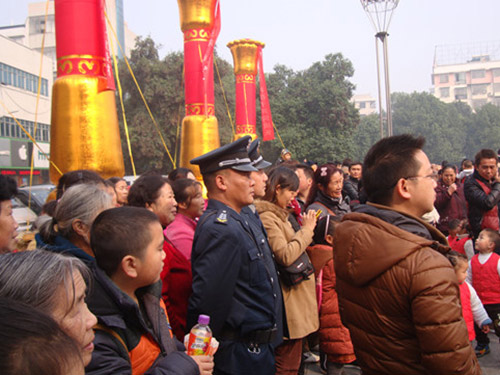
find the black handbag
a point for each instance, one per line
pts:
(296, 272)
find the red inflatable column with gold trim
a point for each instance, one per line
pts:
(200, 129)
(245, 56)
(84, 129)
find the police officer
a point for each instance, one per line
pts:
(233, 282)
(260, 178)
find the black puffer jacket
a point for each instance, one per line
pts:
(478, 201)
(118, 313)
(337, 207)
(351, 188)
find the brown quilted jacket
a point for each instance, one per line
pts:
(399, 297)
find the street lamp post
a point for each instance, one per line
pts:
(380, 14)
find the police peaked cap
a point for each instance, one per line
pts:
(233, 155)
(257, 159)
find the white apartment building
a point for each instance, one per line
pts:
(365, 103)
(19, 78)
(470, 74)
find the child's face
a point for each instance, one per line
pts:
(461, 270)
(151, 262)
(483, 243)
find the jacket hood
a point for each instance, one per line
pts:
(265, 206)
(374, 238)
(62, 245)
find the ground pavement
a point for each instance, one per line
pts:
(490, 363)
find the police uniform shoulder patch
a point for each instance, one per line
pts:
(222, 217)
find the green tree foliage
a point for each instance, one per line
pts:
(484, 130)
(161, 81)
(162, 86)
(442, 124)
(312, 110)
(365, 136)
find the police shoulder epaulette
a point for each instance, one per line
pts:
(221, 217)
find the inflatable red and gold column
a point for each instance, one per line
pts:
(200, 130)
(245, 56)
(84, 125)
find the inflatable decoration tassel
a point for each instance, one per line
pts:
(245, 57)
(84, 125)
(200, 23)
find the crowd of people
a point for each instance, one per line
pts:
(391, 265)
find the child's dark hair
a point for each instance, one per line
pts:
(456, 258)
(454, 224)
(181, 191)
(326, 225)
(494, 237)
(119, 232)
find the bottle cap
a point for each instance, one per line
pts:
(203, 319)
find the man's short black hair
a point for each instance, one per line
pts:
(387, 161)
(119, 232)
(355, 163)
(8, 188)
(485, 153)
(308, 171)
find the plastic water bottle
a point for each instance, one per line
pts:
(199, 337)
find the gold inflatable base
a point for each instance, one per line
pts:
(200, 134)
(241, 135)
(84, 130)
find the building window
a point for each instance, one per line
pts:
(460, 93)
(372, 104)
(362, 105)
(479, 89)
(444, 92)
(443, 78)
(478, 103)
(23, 80)
(476, 74)
(460, 77)
(496, 72)
(9, 128)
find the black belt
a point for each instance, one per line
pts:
(260, 336)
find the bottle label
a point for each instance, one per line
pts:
(198, 345)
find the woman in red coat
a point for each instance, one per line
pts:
(335, 340)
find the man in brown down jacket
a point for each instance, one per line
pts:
(398, 294)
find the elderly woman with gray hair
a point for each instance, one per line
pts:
(68, 232)
(55, 285)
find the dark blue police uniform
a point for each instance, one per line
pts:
(234, 279)
(234, 284)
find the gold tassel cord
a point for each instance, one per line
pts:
(120, 94)
(31, 138)
(140, 91)
(225, 99)
(277, 132)
(32, 164)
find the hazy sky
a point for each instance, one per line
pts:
(299, 33)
